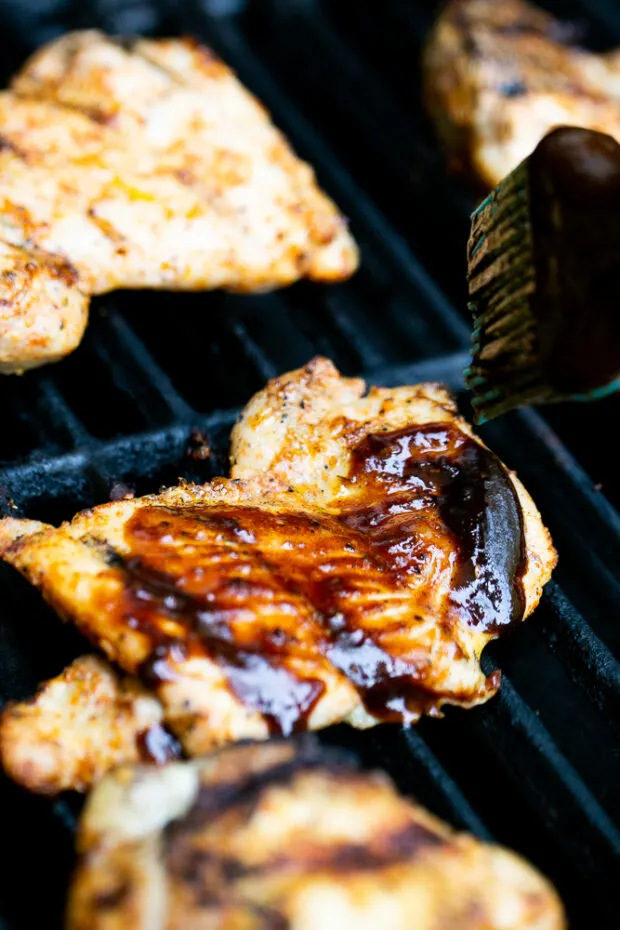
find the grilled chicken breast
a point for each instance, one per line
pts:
(145, 164)
(499, 76)
(281, 834)
(365, 550)
(82, 723)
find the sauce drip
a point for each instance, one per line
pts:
(429, 529)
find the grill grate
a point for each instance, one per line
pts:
(537, 768)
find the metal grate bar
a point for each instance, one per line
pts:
(592, 665)
(253, 352)
(143, 454)
(460, 810)
(315, 323)
(344, 317)
(565, 462)
(37, 478)
(270, 322)
(34, 418)
(415, 768)
(59, 412)
(526, 747)
(148, 369)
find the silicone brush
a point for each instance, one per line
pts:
(544, 278)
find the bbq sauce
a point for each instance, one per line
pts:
(429, 527)
(574, 193)
(446, 491)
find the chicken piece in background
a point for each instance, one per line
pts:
(284, 834)
(145, 164)
(499, 75)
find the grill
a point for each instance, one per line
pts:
(538, 768)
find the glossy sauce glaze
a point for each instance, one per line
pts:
(441, 493)
(429, 528)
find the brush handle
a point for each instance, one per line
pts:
(544, 277)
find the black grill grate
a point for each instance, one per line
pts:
(538, 768)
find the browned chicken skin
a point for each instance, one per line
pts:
(81, 724)
(500, 74)
(365, 551)
(144, 164)
(282, 835)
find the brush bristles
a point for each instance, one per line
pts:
(505, 370)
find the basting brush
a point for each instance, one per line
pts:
(544, 278)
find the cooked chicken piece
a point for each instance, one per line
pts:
(42, 309)
(78, 726)
(284, 835)
(499, 76)
(365, 551)
(146, 164)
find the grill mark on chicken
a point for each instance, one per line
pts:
(218, 799)
(207, 872)
(60, 268)
(319, 845)
(402, 845)
(435, 494)
(107, 228)
(127, 42)
(113, 898)
(268, 918)
(6, 145)
(470, 490)
(19, 221)
(256, 676)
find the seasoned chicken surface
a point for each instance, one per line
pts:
(78, 726)
(500, 75)
(43, 312)
(145, 164)
(283, 835)
(366, 549)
